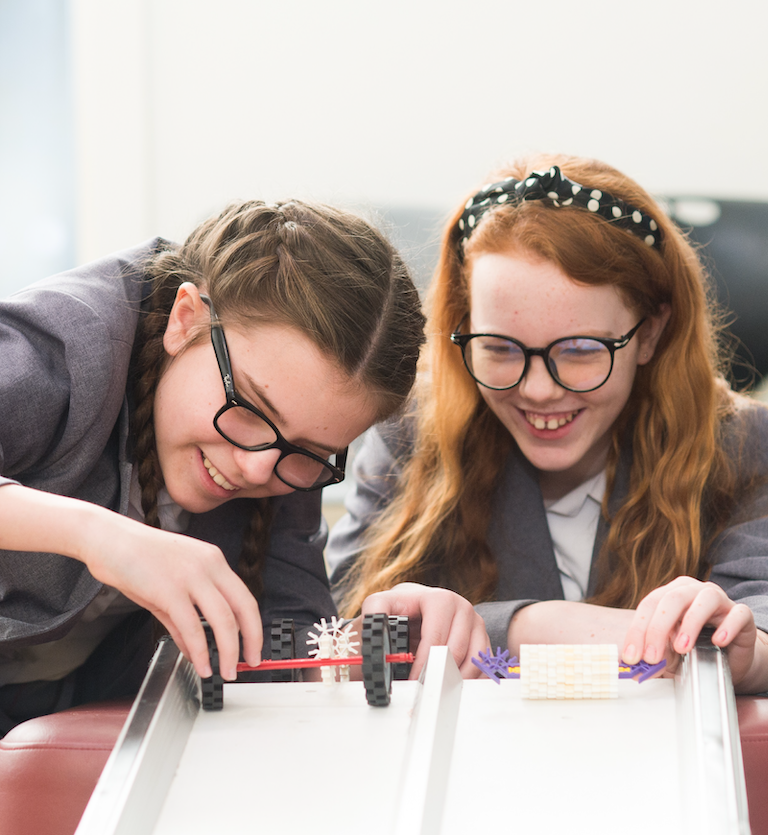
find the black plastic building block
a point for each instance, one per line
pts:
(377, 672)
(213, 687)
(283, 647)
(399, 641)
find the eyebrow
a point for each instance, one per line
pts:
(262, 395)
(596, 334)
(277, 416)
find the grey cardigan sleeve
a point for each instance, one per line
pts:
(376, 471)
(65, 344)
(59, 396)
(739, 555)
(741, 567)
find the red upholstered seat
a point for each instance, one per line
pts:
(49, 767)
(753, 729)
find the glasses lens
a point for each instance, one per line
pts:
(580, 364)
(244, 427)
(299, 470)
(495, 362)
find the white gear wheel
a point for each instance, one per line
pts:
(333, 640)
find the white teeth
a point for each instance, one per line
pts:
(217, 476)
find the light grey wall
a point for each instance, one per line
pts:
(183, 105)
(186, 104)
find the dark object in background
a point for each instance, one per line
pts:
(733, 236)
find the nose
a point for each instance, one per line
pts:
(538, 385)
(256, 467)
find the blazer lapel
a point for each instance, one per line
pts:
(519, 536)
(616, 499)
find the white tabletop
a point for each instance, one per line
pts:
(308, 758)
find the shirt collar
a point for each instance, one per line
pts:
(571, 503)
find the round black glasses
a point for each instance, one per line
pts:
(247, 427)
(577, 363)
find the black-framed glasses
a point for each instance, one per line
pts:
(577, 363)
(247, 427)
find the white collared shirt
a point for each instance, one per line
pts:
(572, 522)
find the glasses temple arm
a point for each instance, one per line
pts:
(221, 350)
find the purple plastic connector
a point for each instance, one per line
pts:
(641, 671)
(496, 667)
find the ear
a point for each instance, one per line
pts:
(188, 313)
(650, 334)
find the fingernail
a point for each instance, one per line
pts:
(720, 635)
(630, 654)
(231, 674)
(207, 672)
(683, 642)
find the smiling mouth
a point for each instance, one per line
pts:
(217, 476)
(549, 422)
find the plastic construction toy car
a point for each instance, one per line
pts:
(380, 634)
(565, 671)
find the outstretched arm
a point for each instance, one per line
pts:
(567, 622)
(171, 575)
(665, 625)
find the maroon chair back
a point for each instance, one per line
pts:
(49, 767)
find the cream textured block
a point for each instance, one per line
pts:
(569, 671)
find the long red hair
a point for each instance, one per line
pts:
(681, 489)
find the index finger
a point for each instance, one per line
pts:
(246, 611)
(221, 619)
(186, 630)
(634, 640)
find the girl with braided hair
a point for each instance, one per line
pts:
(576, 466)
(208, 390)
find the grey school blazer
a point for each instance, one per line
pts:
(518, 534)
(65, 346)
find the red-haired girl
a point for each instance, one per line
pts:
(576, 465)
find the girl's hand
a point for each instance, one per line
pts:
(178, 578)
(437, 617)
(667, 623)
(172, 575)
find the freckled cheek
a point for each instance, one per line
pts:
(615, 393)
(503, 406)
(501, 402)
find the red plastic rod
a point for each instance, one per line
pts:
(299, 663)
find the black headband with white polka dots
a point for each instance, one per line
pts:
(553, 186)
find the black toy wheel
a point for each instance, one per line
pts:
(283, 647)
(377, 673)
(399, 641)
(212, 687)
